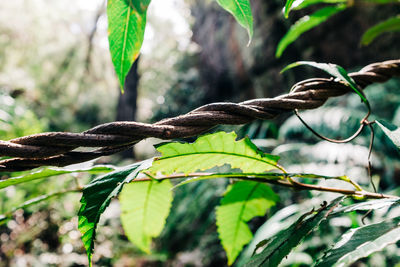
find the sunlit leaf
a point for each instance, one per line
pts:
(334, 70)
(391, 131)
(49, 172)
(144, 208)
(288, 7)
(97, 196)
(212, 150)
(126, 25)
(360, 242)
(242, 202)
(282, 243)
(241, 10)
(389, 25)
(306, 23)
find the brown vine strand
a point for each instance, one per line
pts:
(62, 148)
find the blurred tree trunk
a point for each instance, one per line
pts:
(126, 109)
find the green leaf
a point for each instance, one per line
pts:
(144, 208)
(288, 7)
(242, 202)
(391, 131)
(360, 242)
(97, 196)
(306, 23)
(212, 150)
(48, 172)
(389, 25)
(126, 25)
(282, 243)
(300, 4)
(334, 70)
(241, 10)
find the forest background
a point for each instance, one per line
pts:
(56, 75)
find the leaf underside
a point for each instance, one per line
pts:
(391, 131)
(242, 202)
(144, 208)
(213, 150)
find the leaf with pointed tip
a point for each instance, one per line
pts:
(389, 25)
(126, 25)
(300, 4)
(144, 208)
(48, 172)
(334, 70)
(97, 196)
(282, 243)
(306, 23)
(360, 242)
(241, 10)
(391, 131)
(242, 202)
(288, 7)
(212, 150)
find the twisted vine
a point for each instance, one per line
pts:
(61, 148)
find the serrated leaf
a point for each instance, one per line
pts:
(49, 172)
(389, 25)
(306, 23)
(97, 196)
(360, 242)
(391, 131)
(336, 71)
(144, 208)
(242, 202)
(126, 25)
(282, 243)
(241, 10)
(213, 150)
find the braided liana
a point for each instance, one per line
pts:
(63, 148)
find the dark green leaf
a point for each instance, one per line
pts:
(306, 23)
(334, 70)
(212, 150)
(391, 131)
(144, 208)
(126, 25)
(242, 202)
(48, 172)
(97, 196)
(281, 244)
(389, 25)
(360, 242)
(241, 10)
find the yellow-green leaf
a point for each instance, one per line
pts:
(389, 25)
(144, 208)
(126, 25)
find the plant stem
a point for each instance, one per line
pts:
(263, 178)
